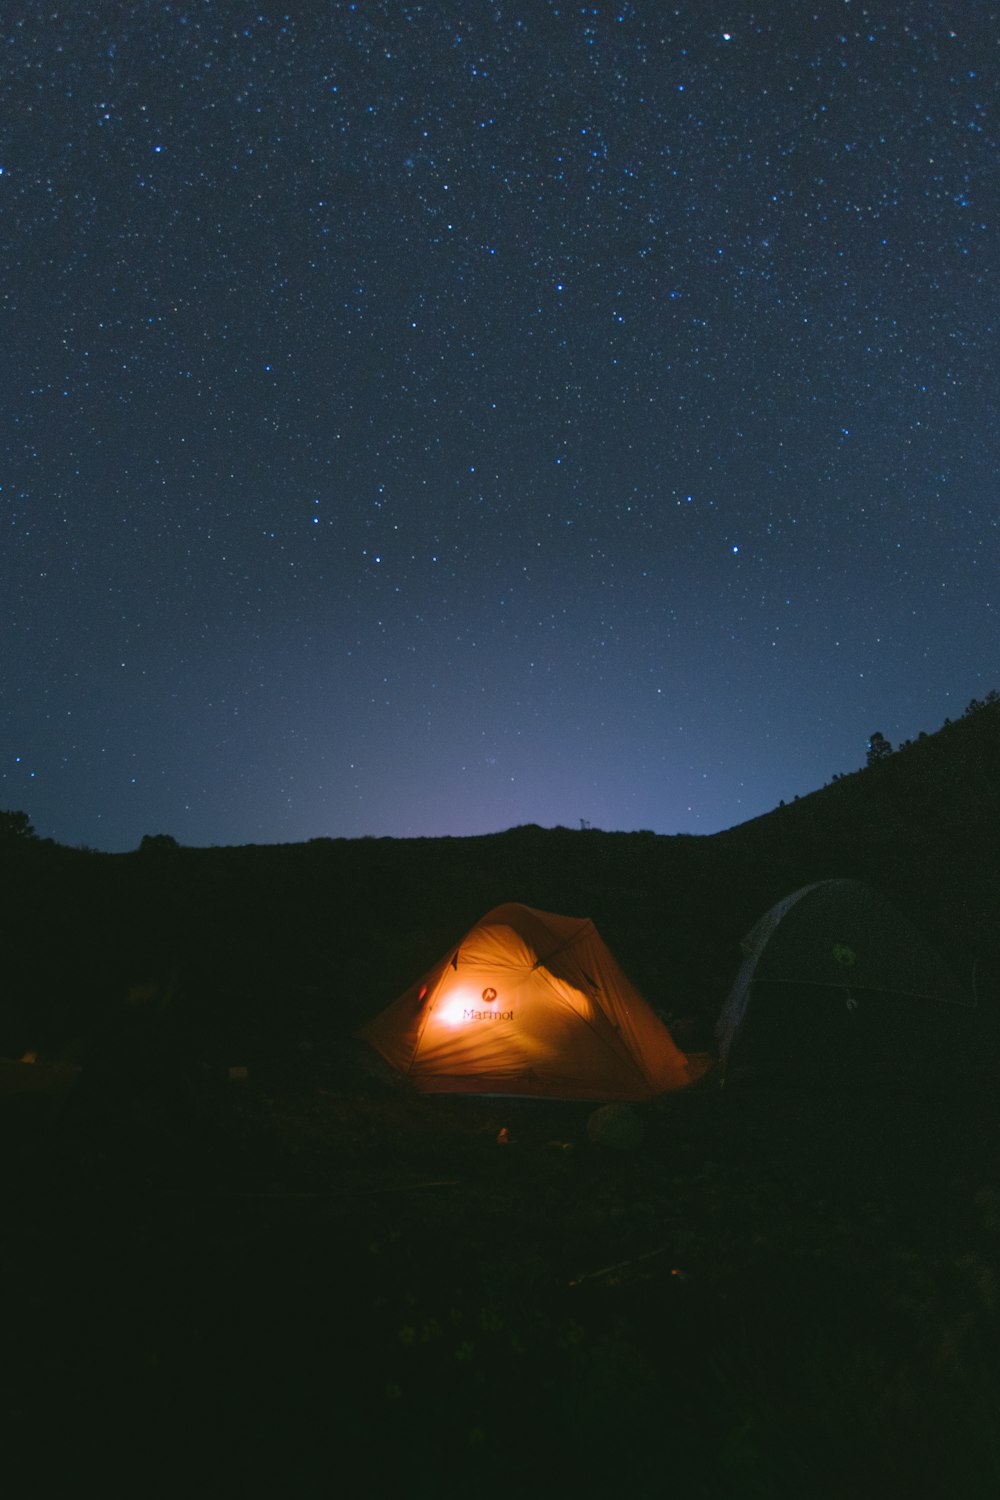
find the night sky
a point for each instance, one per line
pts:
(423, 419)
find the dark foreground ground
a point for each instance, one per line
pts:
(318, 1284)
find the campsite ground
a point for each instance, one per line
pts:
(262, 1284)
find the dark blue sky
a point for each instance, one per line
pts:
(428, 418)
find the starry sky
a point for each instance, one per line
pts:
(426, 418)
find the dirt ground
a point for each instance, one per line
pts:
(320, 1280)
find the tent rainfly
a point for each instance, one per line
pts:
(836, 984)
(530, 1004)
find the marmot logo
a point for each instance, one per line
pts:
(489, 996)
(487, 1015)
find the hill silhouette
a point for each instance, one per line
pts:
(274, 944)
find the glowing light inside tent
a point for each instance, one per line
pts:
(461, 1004)
(452, 1011)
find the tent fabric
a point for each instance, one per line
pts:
(835, 979)
(529, 1003)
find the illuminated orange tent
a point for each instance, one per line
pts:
(534, 1004)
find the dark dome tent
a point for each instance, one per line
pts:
(838, 986)
(530, 1003)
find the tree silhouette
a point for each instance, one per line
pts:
(157, 843)
(15, 827)
(879, 748)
